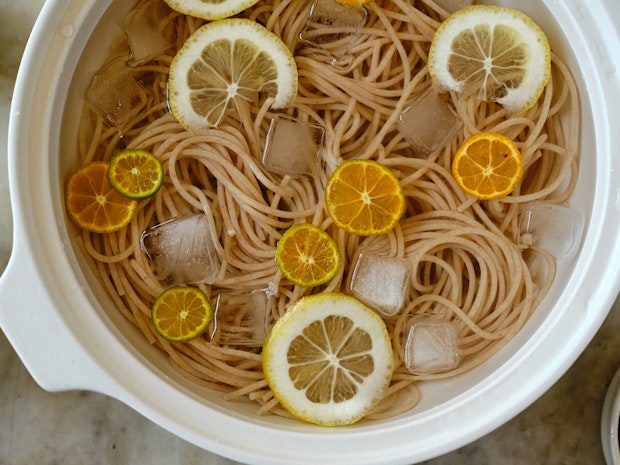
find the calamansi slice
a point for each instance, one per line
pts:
(364, 197)
(135, 173)
(93, 204)
(181, 313)
(491, 52)
(307, 255)
(210, 9)
(329, 359)
(225, 62)
(487, 166)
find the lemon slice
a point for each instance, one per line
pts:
(224, 62)
(329, 359)
(210, 9)
(493, 53)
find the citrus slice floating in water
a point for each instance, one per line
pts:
(93, 204)
(210, 9)
(136, 174)
(224, 63)
(307, 255)
(181, 314)
(328, 359)
(364, 197)
(487, 166)
(493, 53)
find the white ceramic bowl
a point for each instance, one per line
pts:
(65, 329)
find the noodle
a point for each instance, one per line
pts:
(468, 264)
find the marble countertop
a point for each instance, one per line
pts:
(562, 427)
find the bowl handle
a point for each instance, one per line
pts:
(42, 339)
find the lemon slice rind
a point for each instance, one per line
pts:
(539, 60)
(210, 10)
(291, 324)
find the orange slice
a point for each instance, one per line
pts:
(364, 197)
(181, 314)
(93, 204)
(487, 166)
(307, 255)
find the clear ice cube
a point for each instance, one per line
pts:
(292, 147)
(332, 30)
(242, 318)
(431, 346)
(147, 34)
(453, 5)
(428, 123)
(116, 94)
(381, 282)
(182, 250)
(554, 228)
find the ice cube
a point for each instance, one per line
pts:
(552, 227)
(332, 29)
(147, 33)
(381, 282)
(292, 146)
(432, 346)
(428, 123)
(242, 318)
(116, 94)
(182, 250)
(541, 271)
(452, 5)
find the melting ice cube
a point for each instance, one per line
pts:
(432, 346)
(381, 282)
(182, 250)
(452, 5)
(146, 32)
(242, 318)
(540, 268)
(332, 29)
(292, 147)
(428, 123)
(552, 227)
(116, 95)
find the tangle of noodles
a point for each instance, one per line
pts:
(468, 264)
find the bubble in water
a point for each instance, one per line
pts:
(67, 31)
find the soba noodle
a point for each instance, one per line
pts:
(468, 264)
